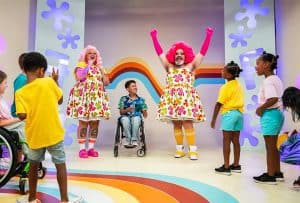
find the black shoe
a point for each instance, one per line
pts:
(223, 170)
(279, 176)
(265, 178)
(296, 183)
(236, 169)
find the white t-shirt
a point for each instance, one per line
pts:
(270, 88)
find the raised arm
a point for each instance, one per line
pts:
(198, 59)
(158, 48)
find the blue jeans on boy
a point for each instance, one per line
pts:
(131, 125)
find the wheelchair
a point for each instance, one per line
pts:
(141, 151)
(9, 166)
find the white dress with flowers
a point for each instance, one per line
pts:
(88, 99)
(180, 100)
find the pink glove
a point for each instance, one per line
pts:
(205, 45)
(156, 44)
(81, 73)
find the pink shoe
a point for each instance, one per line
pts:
(93, 153)
(83, 154)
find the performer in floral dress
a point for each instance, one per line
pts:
(180, 102)
(88, 100)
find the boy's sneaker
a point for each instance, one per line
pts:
(266, 179)
(235, 169)
(223, 170)
(279, 176)
(126, 143)
(134, 143)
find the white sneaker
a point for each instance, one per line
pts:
(193, 154)
(76, 200)
(24, 199)
(134, 143)
(126, 143)
(179, 151)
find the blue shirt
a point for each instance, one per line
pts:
(19, 82)
(138, 104)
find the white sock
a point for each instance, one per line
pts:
(92, 143)
(81, 143)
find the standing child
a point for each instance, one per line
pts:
(7, 121)
(19, 82)
(88, 100)
(231, 104)
(180, 102)
(37, 102)
(291, 99)
(271, 117)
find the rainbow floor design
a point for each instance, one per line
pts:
(119, 187)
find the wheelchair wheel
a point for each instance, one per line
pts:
(116, 151)
(143, 139)
(140, 153)
(8, 157)
(22, 184)
(117, 139)
(42, 172)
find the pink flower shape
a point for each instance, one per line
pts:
(172, 92)
(178, 78)
(170, 108)
(80, 110)
(94, 70)
(195, 110)
(181, 110)
(105, 107)
(180, 91)
(92, 106)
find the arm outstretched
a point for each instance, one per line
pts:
(158, 48)
(198, 59)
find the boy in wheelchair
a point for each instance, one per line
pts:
(132, 109)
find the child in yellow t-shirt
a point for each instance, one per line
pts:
(231, 104)
(37, 102)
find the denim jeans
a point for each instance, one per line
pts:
(131, 125)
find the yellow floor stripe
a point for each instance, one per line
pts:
(116, 194)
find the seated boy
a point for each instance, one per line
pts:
(132, 108)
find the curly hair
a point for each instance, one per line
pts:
(268, 57)
(32, 61)
(187, 49)
(84, 53)
(234, 69)
(291, 99)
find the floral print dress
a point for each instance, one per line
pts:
(88, 99)
(180, 100)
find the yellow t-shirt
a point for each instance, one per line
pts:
(39, 100)
(231, 96)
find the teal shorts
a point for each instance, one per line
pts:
(271, 122)
(232, 121)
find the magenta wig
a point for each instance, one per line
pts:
(84, 52)
(187, 49)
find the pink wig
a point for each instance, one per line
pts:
(187, 49)
(84, 52)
